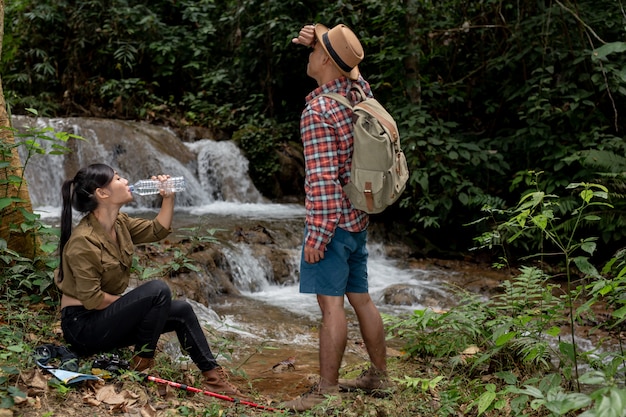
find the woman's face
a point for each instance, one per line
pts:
(118, 190)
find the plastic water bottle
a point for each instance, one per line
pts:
(147, 187)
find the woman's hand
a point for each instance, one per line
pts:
(107, 301)
(166, 213)
(164, 192)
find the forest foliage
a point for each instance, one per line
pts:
(486, 93)
(510, 115)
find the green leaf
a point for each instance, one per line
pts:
(564, 403)
(553, 331)
(16, 348)
(527, 390)
(592, 218)
(619, 313)
(508, 377)
(16, 392)
(589, 247)
(485, 400)
(5, 202)
(6, 402)
(541, 221)
(567, 349)
(593, 378)
(586, 195)
(608, 49)
(582, 262)
(501, 340)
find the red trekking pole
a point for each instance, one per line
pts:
(210, 394)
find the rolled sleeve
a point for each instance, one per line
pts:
(322, 185)
(143, 230)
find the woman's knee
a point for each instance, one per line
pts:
(159, 290)
(181, 309)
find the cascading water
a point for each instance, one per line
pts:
(214, 171)
(218, 186)
(271, 311)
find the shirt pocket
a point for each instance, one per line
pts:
(114, 277)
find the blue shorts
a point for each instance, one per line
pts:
(343, 269)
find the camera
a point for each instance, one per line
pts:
(112, 364)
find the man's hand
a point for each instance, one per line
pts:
(312, 255)
(306, 36)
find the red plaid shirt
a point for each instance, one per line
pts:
(326, 129)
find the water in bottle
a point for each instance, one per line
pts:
(147, 187)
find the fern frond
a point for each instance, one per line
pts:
(603, 160)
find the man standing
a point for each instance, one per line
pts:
(334, 253)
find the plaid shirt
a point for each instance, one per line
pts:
(326, 130)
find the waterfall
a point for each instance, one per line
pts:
(220, 192)
(214, 171)
(252, 274)
(225, 171)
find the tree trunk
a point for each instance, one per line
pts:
(27, 243)
(411, 63)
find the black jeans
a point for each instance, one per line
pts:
(138, 318)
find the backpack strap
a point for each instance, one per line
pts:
(393, 131)
(338, 97)
(341, 99)
(367, 192)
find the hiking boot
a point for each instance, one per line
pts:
(372, 381)
(328, 395)
(139, 364)
(216, 380)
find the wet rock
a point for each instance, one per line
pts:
(407, 295)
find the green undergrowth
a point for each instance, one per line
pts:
(517, 353)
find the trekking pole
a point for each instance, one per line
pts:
(209, 393)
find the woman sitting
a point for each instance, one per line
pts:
(96, 258)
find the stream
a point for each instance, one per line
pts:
(269, 320)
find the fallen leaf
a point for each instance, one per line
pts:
(120, 408)
(148, 411)
(285, 365)
(471, 350)
(19, 400)
(391, 352)
(89, 400)
(108, 395)
(37, 380)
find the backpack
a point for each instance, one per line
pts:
(379, 171)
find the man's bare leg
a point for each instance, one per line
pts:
(372, 330)
(333, 336)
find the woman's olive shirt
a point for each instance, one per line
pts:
(93, 264)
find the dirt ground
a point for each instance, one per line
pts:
(263, 377)
(254, 371)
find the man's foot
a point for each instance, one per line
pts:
(372, 381)
(216, 380)
(328, 395)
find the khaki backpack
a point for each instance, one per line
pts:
(379, 171)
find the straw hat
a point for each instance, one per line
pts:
(343, 48)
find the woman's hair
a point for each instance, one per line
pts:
(79, 194)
